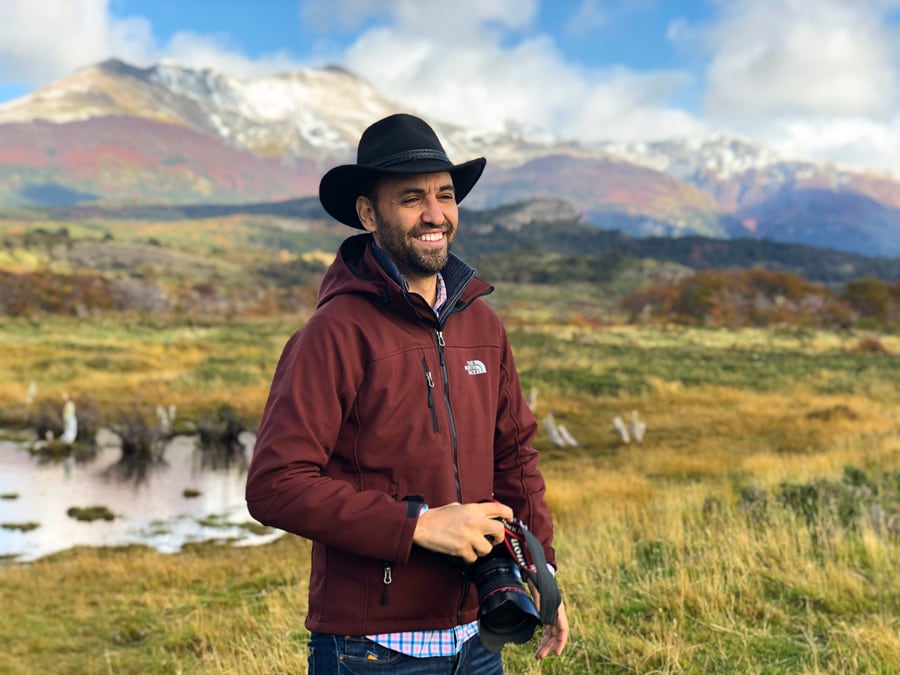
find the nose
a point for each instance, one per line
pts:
(433, 213)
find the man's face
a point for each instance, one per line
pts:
(413, 219)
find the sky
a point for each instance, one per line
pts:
(813, 79)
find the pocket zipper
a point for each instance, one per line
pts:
(388, 578)
(430, 381)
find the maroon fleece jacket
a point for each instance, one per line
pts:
(376, 406)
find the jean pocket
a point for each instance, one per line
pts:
(362, 650)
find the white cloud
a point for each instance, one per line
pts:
(436, 20)
(624, 105)
(216, 52)
(589, 17)
(815, 79)
(130, 39)
(52, 38)
(478, 71)
(849, 141)
(827, 57)
(469, 64)
(43, 40)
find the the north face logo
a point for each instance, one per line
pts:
(475, 367)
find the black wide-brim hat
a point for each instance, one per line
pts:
(399, 144)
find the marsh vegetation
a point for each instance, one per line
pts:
(753, 530)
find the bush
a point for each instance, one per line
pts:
(735, 298)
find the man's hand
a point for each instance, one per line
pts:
(555, 636)
(462, 529)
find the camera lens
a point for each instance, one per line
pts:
(506, 611)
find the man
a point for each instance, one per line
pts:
(395, 435)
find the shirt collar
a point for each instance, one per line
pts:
(441, 296)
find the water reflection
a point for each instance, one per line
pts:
(189, 496)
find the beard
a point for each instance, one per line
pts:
(401, 246)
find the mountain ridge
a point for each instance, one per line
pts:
(287, 128)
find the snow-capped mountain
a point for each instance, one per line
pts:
(740, 172)
(780, 198)
(313, 114)
(720, 155)
(168, 133)
(305, 114)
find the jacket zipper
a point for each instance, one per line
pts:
(439, 336)
(467, 584)
(440, 343)
(430, 380)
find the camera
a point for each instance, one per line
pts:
(506, 611)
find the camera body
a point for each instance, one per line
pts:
(506, 610)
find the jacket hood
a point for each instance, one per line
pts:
(357, 269)
(345, 274)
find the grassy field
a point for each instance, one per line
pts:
(755, 530)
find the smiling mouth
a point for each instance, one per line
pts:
(431, 237)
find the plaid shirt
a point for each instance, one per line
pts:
(441, 294)
(425, 643)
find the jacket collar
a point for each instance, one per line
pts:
(373, 271)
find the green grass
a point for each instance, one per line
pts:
(120, 362)
(665, 564)
(597, 362)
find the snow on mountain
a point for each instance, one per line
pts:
(319, 110)
(717, 161)
(724, 156)
(322, 111)
(312, 114)
(309, 114)
(318, 114)
(741, 174)
(310, 119)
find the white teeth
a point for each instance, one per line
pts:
(437, 236)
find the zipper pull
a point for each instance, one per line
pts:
(440, 341)
(387, 582)
(429, 380)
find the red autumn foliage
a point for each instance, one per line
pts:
(757, 297)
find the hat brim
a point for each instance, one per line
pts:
(340, 186)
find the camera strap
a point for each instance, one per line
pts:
(528, 553)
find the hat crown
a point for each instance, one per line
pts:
(397, 139)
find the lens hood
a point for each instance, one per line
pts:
(509, 615)
(506, 611)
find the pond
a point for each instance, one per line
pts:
(191, 496)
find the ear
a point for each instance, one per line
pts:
(365, 211)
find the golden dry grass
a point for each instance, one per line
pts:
(664, 566)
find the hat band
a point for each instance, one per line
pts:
(409, 156)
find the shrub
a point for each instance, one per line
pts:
(747, 297)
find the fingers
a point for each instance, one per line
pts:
(494, 510)
(555, 637)
(480, 548)
(468, 531)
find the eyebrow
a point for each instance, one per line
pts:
(421, 191)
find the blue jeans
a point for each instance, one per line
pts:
(352, 655)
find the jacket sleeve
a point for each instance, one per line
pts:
(312, 395)
(517, 480)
